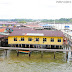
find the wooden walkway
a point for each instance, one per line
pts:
(35, 49)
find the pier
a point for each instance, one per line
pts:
(36, 49)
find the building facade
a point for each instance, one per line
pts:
(41, 38)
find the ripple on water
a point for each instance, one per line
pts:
(35, 63)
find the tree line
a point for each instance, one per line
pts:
(57, 21)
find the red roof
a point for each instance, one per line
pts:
(2, 30)
(50, 33)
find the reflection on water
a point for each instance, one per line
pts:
(12, 63)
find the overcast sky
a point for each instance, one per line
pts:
(35, 9)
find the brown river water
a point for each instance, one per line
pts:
(22, 63)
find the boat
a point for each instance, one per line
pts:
(24, 51)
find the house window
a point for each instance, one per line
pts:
(22, 38)
(37, 39)
(15, 39)
(29, 39)
(10, 29)
(44, 39)
(0, 24)
(7, 29)
(52, 39)
(59, 40)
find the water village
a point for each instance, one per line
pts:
(35, 36)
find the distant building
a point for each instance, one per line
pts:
(47, 26)
(7, 24)
(67, 27)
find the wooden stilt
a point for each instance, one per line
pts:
(6, 52)
(66, 56)
(55, 46)
(33, 46)
(29, 45)
(71, 51)
(62, 46)
(15, 45)
(0, 43)
(18, 45)
(29, 50)
(25, 45)
(29, 54)
(11, 45)
(66, 47)
(59, 46)
(50, 46)
(54, 55)
(21, 45)
(36, 46)
(41, 54)
(17, 53)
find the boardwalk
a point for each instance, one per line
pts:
(34, 49)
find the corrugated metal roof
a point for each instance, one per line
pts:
(35, 34)
(2, 33)
(50, 33)
(46, 25)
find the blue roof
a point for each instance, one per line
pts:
(66, 26)
(46, 25)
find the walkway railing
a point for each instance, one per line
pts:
(34, 49)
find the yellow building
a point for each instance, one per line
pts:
(36, 38)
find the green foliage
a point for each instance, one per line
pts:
(22, 22)
(62, 20)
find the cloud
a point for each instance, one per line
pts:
(36, 9)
